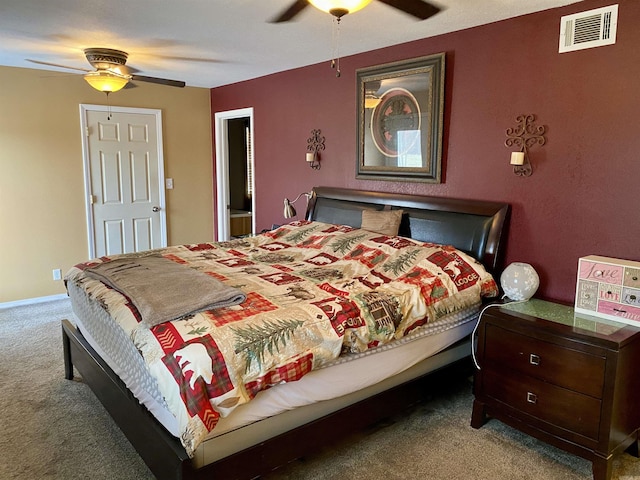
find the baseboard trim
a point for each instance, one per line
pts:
(32, 301)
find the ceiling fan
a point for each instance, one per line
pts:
(339, 8)
(111, 74)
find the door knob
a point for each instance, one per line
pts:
(156, 209)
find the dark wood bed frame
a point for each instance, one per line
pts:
(476, 227)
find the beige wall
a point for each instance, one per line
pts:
(42, 213)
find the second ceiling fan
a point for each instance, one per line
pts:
(339, 8)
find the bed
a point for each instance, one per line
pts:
(244, 446)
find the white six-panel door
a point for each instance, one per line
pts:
(124, 179)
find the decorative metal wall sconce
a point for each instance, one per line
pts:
(524, 136)
(315, 143)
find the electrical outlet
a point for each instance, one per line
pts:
(57, 274)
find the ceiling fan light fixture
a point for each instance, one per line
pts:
(371, 97)
(371, 101)
(105, 81)
(339, 8)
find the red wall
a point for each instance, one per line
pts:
(583, 197)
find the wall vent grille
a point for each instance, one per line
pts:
(593, 28)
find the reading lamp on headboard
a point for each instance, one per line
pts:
(289, 211)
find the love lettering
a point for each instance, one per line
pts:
(599, 272)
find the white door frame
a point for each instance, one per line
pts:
(84, 108)
(222, 169)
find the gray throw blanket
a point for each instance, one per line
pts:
(163, 290)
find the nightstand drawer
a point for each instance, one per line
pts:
(564, 367)
(558, 406)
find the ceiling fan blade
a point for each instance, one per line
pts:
(58, 66)
(295, 8)
(160, 81)
(124, 69)
(417, 8)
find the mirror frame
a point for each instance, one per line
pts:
(417, 87)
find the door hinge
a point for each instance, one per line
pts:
(87, 132)
(92, 199)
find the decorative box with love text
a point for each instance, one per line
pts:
(609, 288)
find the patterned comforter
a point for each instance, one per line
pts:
(314, 290)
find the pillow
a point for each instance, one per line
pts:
(385, 222)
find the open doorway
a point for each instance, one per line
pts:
(240, 173)
(234, 173)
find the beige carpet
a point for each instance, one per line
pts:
(56, 429)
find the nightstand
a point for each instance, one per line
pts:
(571, 381)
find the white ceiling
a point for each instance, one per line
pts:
(209, 43)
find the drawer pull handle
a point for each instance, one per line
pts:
(534, 359)
(532, 397)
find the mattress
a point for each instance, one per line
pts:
(338, 384)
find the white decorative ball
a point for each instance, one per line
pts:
(519, 281)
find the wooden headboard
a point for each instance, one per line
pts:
(476, 227)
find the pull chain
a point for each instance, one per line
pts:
(108, 107)
(335, 41)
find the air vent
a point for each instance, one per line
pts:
(593, 28)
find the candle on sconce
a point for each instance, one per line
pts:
(517, 158)
(310, 157)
